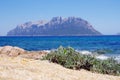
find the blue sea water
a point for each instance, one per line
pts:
(90, 43)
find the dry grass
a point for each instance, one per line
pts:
(17, 68)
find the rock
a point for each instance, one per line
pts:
(16, 51)
(6, 49)
(12, 51)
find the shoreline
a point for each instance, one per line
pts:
(62, 36)
(39, 52)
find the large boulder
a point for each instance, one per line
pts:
(11, 51)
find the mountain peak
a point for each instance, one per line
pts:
(56, 18)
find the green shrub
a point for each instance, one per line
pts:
(109, 66)
(69, 58)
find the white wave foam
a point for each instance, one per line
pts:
(117, 58)
(48, 51)
(102, 57)
(85, 52)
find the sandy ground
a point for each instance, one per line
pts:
(17, 68)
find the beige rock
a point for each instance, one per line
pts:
(11, 51)
(16, 51)
(6, 50)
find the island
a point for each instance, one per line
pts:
(57, 26)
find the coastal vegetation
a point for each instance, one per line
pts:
(71, 59)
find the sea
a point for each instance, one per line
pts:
(110, 43)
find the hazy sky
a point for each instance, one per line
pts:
(104, 15)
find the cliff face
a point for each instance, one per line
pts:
(57, 26)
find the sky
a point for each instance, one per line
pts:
(104, 15)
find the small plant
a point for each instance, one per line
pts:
(71, 59)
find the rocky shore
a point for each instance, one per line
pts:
(19, 64)
(16, 51)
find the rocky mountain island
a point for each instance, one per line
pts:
(57, 26)
(118, 33)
